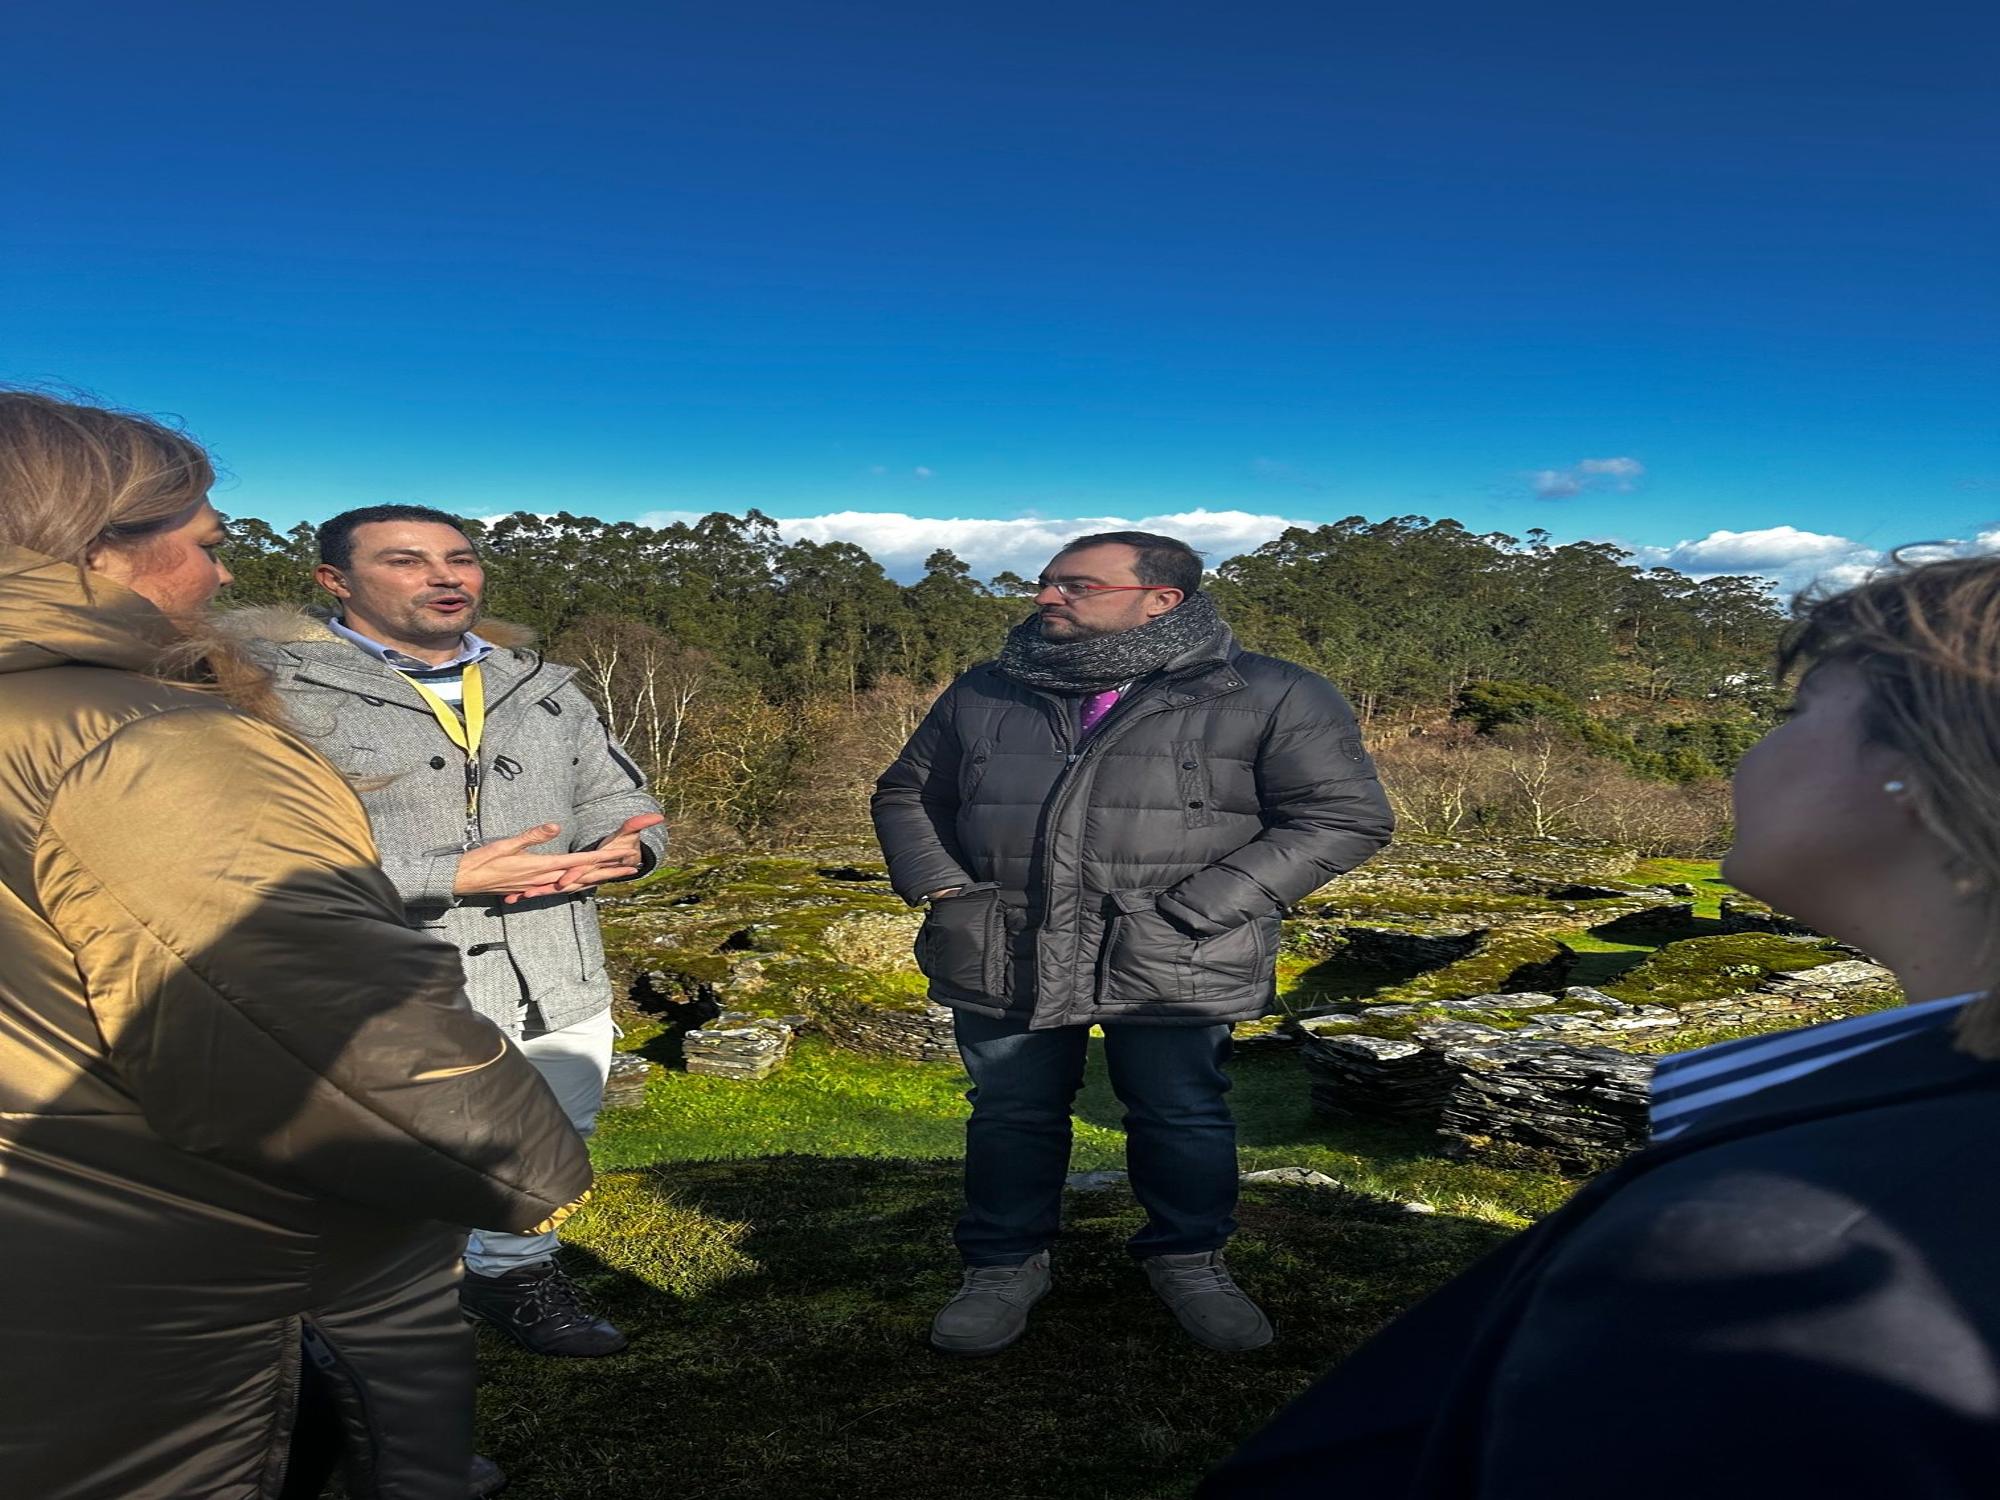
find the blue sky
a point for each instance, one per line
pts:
(1713, 281)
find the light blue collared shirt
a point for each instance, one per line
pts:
(470, 649)
(445, 678)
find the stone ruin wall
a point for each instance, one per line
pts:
(1550, 1085)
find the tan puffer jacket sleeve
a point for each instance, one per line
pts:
(259, 992)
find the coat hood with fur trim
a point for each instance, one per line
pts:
(289, 625)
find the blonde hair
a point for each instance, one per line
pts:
(75, 478)
(1926, 640)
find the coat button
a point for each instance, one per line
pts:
(437, 762)
(1196, 803)
(1190, 765)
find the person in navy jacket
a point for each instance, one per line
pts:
(1793, 1290)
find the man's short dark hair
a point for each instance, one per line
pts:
(1165, 562)
(336, 537)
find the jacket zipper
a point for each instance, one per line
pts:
(339, 1373)
(290, 1393)
(474, 771)
(1075, 757)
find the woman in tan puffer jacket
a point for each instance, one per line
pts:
(241, 1102)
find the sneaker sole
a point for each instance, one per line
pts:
(980, 1351)
(515, 1339)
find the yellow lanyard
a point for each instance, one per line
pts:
(464, 733)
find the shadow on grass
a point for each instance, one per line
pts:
(1639, 936)
(1341, 978)
(778, 1310)
(1648, 930)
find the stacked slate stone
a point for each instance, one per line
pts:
(625, 1086)
(735, 1045)
(1583, 1106)
(923, 1035)
(1740, 914)
(1374, 1077)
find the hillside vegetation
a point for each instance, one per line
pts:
(1507, 685)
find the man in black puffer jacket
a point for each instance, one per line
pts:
(1107, 822)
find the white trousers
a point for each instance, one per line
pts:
(573, 1062)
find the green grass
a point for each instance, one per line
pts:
(1703, 874)
(777, 1249)
(831, 1103)
(778, 1309)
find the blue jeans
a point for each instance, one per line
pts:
(572, 1062)
(1180, 1142)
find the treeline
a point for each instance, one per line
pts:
(764, 682)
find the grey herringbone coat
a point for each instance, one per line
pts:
(1137, 877)
(547, 757)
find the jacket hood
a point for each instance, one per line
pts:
(52, 614)
(288, 625)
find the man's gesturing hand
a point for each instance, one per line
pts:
(506, 867)
(618, 857)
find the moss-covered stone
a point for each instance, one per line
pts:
(1502, 961)
(1740, 913)
(827, 943)
(1697, 970)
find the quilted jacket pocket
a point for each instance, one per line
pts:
(1145, 958)
(962, 945)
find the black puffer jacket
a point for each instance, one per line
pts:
(1138, 877)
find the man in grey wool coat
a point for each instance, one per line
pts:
(499, 801)
(1106, 823)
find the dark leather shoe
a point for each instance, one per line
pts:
(487, 1478)
(541, 1309)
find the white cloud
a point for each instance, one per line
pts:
(901, 542)
(1619, 474)
(922, 472)
(1792, 558)
(1622, 469)
(1795, 559)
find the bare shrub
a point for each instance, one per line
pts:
(1664, 818)
(830, 804)
(1455, 783)
(647, 686)
(1553, 784)
(741, 772)
(1438, 783)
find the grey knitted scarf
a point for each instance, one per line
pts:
(1096, 662)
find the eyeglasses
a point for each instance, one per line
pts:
(1070, 589)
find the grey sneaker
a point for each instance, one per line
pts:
(1210, 1306)
(991, 1308)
